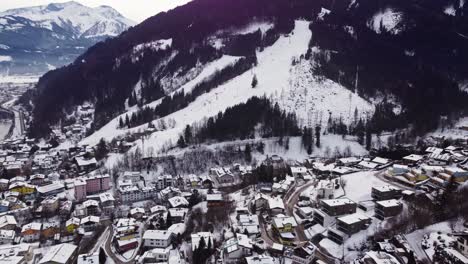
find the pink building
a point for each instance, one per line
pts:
(80, 190)
(97, 183)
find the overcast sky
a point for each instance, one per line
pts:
(137, 10)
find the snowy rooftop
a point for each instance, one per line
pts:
(157, 234)
(337, 202)
(389, 203)
(353, 218)
(59, 254)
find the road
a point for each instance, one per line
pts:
(18, 120)
(110, 253)
(290, 200)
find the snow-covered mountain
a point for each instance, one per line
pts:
(41, 38)
(73, 18)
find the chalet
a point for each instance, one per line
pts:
(158, 209)
(367, 165)
(107, 204)
(438, 159)
(72, 224)
(193, 180)
(37, 179)
(223, 176)
(49, 229)
(261, 201)
(385, 193)
(387, 208)
(8, 222)
(89, 223)
(31, 232)
(7, 236)
(91, 207)
(276, 205)
(85, 164)
(249, 224)
(60, 254)
(237, 248)
(462, 242)
(412, 159)
(298, 172)
(302, 255)
(178, 202)
(335, 207)
(50, 205)
(157, 238)
(125, 226)
(177, 215)
(284, 224)
(215, 200)
(137, 213)
(169, 192)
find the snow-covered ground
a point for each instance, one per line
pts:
(276, 76)
(359, 185)
(389, 19)
(455, 133)
(431, 234)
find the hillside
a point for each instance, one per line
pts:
(181, 67)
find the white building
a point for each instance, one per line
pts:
(157, 238)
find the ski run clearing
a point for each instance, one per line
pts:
(277, 79)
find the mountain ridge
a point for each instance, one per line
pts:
(54, 34)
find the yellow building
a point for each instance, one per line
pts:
(22, 188)
(72, 224)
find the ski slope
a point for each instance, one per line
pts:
(275, 75)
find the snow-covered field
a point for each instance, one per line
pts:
(359, 185)
(455, 133)
(276, 77)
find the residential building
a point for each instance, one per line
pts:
(385, 193)
(97, 183)
(335, 207)
(302, 255)
(60, 254)
(237, 248)
(387, 208)
(31, 232)
(157, 238)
